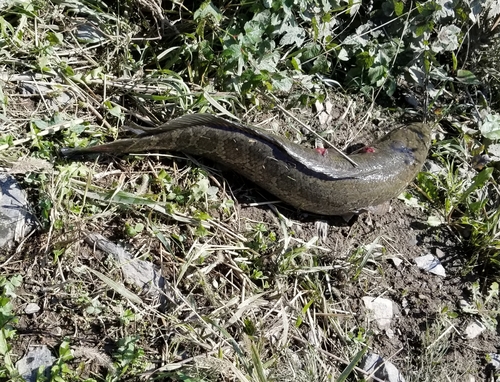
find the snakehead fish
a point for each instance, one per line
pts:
(323, 183)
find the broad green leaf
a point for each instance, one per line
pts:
(41, 124)
(310, 50)
(208, 10)
(447, 39)
(490, 128)
(365, 59)
(343, 55)
(398, 8)
(116, 111)
(376, 73)
(293, 36)
(55, 38)
(321, 65)
(314, 23)
(268, 61)
(467, 77)
(65, 353)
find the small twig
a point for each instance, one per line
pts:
(176, 365)
(309, 129)
(82, 98)
(496, 24)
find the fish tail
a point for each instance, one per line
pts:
(117, 147)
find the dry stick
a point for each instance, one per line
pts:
(308, 128)
(496, 24)
(169, 366)
(358, 369)
(50, 130)
(87, 103)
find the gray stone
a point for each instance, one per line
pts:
(494, 151)
(375, 365)
(16, 221)
(54, 96)
(433, 167)
(382, 309)
(32, 308)
(494, 360)
(474, 329)
(36, 357)
(143, 274)
(430, 264)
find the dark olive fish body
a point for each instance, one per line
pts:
(325, 184)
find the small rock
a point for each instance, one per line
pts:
(382, 308)
(55, 98)
(16, 221)
(474, 329)
(31, 308)
(397, 261)
(319, 106)
(440, 254)
(389, 333)
(478, 162)
(430, 264)
(412, 241)
(25, 165)
(495, 360)
(494, 151)
(328, 107)
(463, 304)
(31, 88)
(383, 370)
(36, 357)
(412, 101)
(143, 274)
(404, 302)
(323, 118)
(433, 168)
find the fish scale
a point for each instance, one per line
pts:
(325, 184)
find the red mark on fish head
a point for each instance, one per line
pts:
(321, 150)
(367, 149)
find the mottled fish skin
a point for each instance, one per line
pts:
(302, 177)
